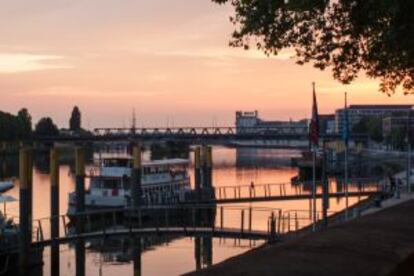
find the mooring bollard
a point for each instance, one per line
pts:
(54, 210)
(80, 187)
(25, 208)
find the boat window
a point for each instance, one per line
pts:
(112, 184)
(96, 183)
(117, 163)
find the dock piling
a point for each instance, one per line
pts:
(80, 186)
(136, 176)
(54, 210)
(25, 208)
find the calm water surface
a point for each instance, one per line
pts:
(176, 255)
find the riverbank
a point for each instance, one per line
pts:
(374, 244)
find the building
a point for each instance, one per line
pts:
(249, 122)
(327, 124)
(393, 123)
(358, 112)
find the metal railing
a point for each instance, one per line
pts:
(280, 190)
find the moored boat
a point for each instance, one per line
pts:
(162, 181)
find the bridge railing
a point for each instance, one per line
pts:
(274, 190)
(202, 131)
(245, 222)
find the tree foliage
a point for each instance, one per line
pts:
(376, 36)
(371, 126)
(75, 120)
(25, 122)
(46, 127)
(13, 127)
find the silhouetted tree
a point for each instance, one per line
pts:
(25, 122)
(376, 36)
(75, 120)
(46, 127)
(13, 127)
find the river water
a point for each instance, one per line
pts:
(177, 255)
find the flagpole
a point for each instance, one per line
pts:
(314, 189)
(346, 160)
(314, 149)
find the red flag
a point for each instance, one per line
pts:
(314, 123)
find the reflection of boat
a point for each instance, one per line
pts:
(161, 181)
(116, 250)
(305, 165)
(6, 185)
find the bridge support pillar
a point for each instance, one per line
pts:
(54, 210)
(80, 187)
(136, 177)
(25, 208)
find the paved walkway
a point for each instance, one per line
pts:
(371, 245)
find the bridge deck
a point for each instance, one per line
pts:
(191, 231)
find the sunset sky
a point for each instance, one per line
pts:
(168, 59)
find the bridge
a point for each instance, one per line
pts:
(201, 220)
(283, 136)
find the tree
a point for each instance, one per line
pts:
(371, 126)
(75, 119)
(46, 127)
(25, 122)
(375, 36)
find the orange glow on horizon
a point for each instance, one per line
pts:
(168, 60)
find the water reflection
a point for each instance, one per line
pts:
(164, 256)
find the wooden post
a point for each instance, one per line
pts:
(80, 257)
(250, 219)
(137, 252)
(221, 217)
(242, 222)
(296, 222)
(54, 210)
(288, 222)
(80, 187)
(136, 177)
(25, 208)
(272, 227)
(279, 220)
